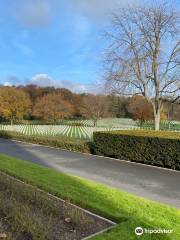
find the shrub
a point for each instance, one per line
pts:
(149, 147)
(60, 142)
(76, 124)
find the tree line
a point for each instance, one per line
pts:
(53, 104)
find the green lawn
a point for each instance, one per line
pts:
(127, 210)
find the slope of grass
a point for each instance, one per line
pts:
(127, 210)
(53, 141)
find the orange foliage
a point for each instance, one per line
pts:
(14, 103)
(140, 109)
(52, 107)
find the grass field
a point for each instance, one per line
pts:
(70, 130)
(127, 210)
(164, 125)
(83, 129)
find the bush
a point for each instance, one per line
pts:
(149, 147)
(60, 142)
(76, 124)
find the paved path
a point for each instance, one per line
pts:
(154, 183)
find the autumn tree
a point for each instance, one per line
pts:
(140, 109)
(73, 98)
(143, 57)
(95, 107)
(33, 91)
(1, 111)
(52, 107)
(14, 104)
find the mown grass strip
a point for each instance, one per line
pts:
(54, 141)
(129, 211)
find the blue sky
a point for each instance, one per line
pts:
(53, 42)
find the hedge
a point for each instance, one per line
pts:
(59, 142)
(148, 147)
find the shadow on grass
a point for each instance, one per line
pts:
(118, 206)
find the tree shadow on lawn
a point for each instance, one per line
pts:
(15, 149)
(121, 207)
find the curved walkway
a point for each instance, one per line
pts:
(150, 182)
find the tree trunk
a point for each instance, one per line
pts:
(157, 114)
(95, 122)
(157, 119)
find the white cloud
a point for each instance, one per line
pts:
(73, 86)
(45, 80)
(7, 84)
(42, 80)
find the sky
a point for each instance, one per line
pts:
(54, 42)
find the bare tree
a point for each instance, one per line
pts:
(143, 57)
(95, 107)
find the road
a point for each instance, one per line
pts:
(154, 183)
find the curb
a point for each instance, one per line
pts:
(89, 154)
(98, 233)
